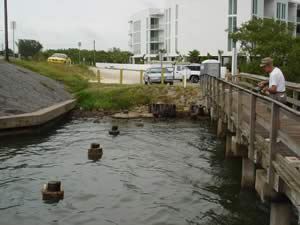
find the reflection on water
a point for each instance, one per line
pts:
(162, 173)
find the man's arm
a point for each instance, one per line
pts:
(271, 90)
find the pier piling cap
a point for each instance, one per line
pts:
(54, 186)
(95, 145)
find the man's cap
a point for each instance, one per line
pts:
(266, 61)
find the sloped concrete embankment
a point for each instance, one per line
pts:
(29, 99)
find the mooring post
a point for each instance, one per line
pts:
(281, 213)
(121, 76)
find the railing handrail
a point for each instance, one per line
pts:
(289, 85)
(281, 105)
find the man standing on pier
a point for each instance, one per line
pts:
(276, 83)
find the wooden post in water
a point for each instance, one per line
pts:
(121, 76)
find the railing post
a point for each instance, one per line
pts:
(273, 141)
(218, 97)
(252, 120)
(141, 76)
(223, 101)
(230, 96)
(295, 97)
(121, 76)
(99, 76)
(208, 91)
(239, 117)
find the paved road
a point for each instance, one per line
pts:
(109, 76)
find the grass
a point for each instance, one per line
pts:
(104, 96)
(74, 77)
(115, 97)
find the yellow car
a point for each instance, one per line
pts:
(59, 59)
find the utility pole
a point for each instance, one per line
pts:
(94, 53)
(13, 27)
(6, 31)
(79, 46)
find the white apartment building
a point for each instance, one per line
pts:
(185, 25)
(147, 33)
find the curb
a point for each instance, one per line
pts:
(37, 118)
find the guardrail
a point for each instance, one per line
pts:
(293, 89)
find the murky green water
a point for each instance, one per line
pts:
(164, 173)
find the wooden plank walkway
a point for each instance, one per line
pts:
(270, 131)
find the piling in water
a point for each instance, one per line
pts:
(95, 153)
(163, 110)
(114, 131)
(53, 191)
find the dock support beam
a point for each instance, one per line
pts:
(229, 152)
(221, 128)
(281, 213)
(248, 174)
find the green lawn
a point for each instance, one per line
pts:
(104, 96)
(74, 77)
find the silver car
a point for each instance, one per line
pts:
(153, 75)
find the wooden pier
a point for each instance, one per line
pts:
(266, 134)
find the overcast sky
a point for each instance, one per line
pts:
(62, 23)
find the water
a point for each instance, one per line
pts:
(164, 173)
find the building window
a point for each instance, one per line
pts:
(232, 7)
(232, 25)
(281, 11)
(177, 12)
(254, 7)
(176, 44)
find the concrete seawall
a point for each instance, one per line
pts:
(37, 118)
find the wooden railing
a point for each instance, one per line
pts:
(252, 114)
(293, 89)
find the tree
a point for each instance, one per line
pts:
(265, 37)
(28, 48)
(194, 56)
(261, 38)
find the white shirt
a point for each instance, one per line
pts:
(277, 79)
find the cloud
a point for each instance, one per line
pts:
(62, 23)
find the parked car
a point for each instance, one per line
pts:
(153, 75)
(195, 72)
(59, 59)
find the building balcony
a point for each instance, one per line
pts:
(154, 52)
(156, 40)
(157, 27)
